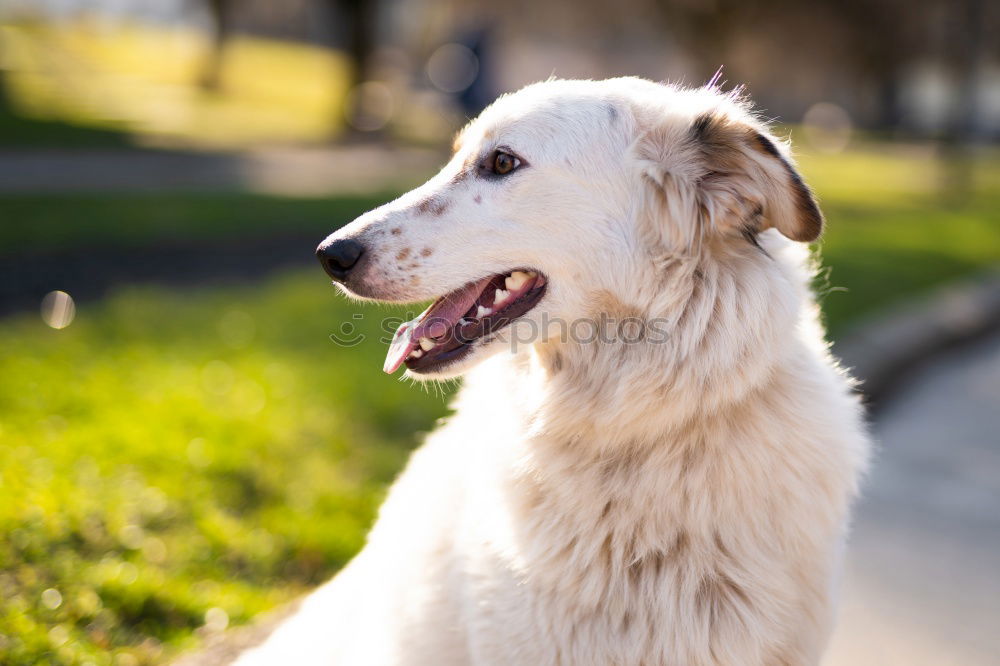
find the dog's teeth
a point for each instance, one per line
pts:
(427, 344)
(482, 312)
(416, 353)
(463, 321)
(517, 280)
(500, 296)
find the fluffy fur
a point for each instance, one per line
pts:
(681, 503)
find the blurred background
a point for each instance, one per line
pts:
(182, 446)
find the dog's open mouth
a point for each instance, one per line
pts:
(446, 330)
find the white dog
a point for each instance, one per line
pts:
(672, 490)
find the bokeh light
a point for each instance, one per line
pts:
(58, 309)
(452, 68)
(51, 598)
(216, 620)
(827, 127)
(369, 106)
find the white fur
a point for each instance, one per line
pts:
(682, 504)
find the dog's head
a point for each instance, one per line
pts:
(560, 194)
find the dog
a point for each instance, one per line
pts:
(673, 491)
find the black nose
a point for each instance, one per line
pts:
(339, 257)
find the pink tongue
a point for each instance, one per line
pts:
(439, 317)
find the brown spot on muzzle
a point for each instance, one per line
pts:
(426, 252)
(432, 206)
(403, 254)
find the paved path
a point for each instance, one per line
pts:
(280, 171)
(923, 577)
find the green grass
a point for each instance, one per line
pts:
(43, 223)
(19, 132)
(900, 221)
(171, 453)
(177, 455)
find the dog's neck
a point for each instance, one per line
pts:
(629, 429)
(713, 333)
(653, 458)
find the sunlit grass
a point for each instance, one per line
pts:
(884, 174)
(171, 453)
(901, 220)
(144, 79)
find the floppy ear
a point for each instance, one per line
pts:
(733, 178)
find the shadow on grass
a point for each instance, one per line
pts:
(87, 244)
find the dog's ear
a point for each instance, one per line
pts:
(729, 177)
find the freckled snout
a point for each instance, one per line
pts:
(339, 256)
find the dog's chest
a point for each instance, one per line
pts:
(585, 573)
(551, 591)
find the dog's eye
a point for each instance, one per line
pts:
(504, 163)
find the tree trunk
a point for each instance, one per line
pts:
(965, 126)
(221, 12)
(360, 18)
